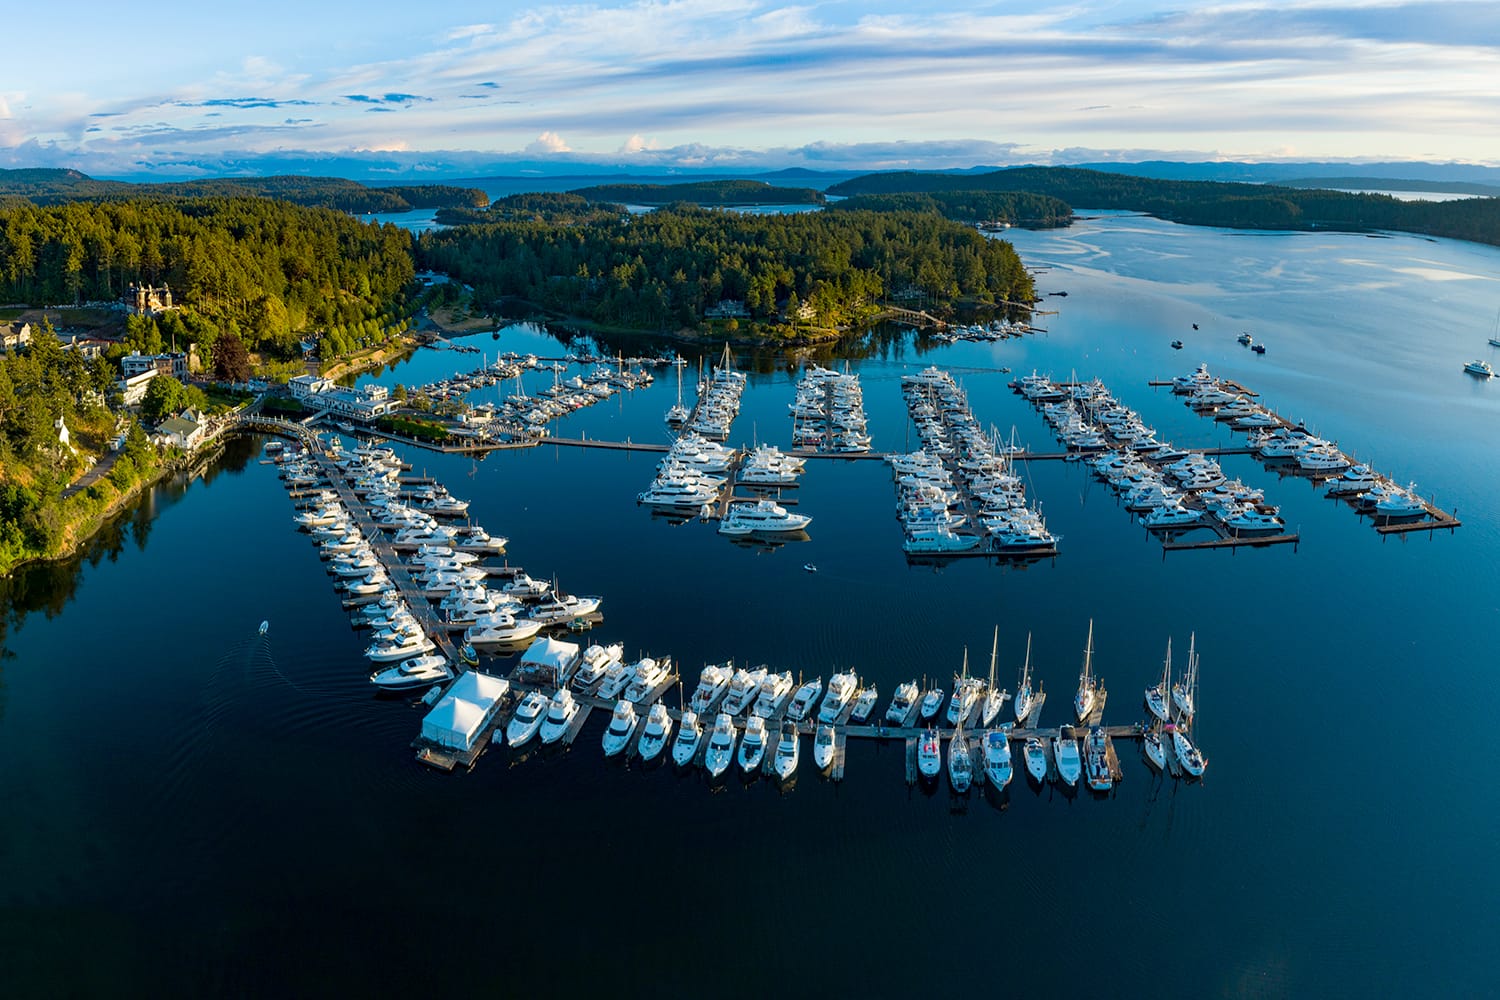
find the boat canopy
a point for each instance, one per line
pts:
(459, 717)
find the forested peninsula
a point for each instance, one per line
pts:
(666, 271)
(1208, 203)
(725, 193)
(54, 187)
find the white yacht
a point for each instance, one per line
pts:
(501, 628)
(1069, 761)
(1158, 698)
(1480, 367)
(591, 666)
(1356, 479)
(824, 743)
(399, 648)
(525, 588)
(1155, 750)
(720, 745)
(417, 672)
(753, 745)
(622, 725)
(902, 703)
(864, 703)
(689, 734)
(560, 712)
(711, 683)
(616, 676)
(1191, 758)
(938, 539)
(1401, 502)
(997, 758)
(965, 694)
(761, 517)
(1185, 690)
(1088, 685)
(561, 608)
(658, 730)
(932, 704)
(742, 687)
(677, 495)
(1025, 696)
(528, 719)
(1035, 753)
(773, 691)
(960, 763)
(788, 749)
(804, 699)
(929, 754)
(647, 676)
(841, 688)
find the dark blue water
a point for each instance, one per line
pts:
(208, 810)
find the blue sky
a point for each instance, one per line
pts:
(186, 88)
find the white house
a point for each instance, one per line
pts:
(132, 388)
(186, 430)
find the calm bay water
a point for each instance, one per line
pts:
(196, 808)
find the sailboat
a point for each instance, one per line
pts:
(960, 764)
(1088, 686)
(1156, 751)
(993, 699)
(1157, 697)
(1025, 697)
(678, 414)
(1184, 690)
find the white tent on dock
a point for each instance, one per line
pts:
(549, 660)
(461, 715)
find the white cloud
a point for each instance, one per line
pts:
(547, 144)
(638, 144)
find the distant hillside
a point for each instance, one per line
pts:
(1015, 208)
(1393, 184)
(55, 187)
(1210, 203)
(702, 193)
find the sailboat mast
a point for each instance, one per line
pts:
(994, 648)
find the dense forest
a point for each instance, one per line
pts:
(659, 271)
(54, 187)
(1019, 208)
(262, 269)
(702, 193)
(1209, 203)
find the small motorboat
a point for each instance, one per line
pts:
(823, 747)
(809, 567)
(1176, 345)
(264, 626)
(1259, 348)
(1036, 758)
(929, 755)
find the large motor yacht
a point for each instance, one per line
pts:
(743, 687)
(560, 712)
(841, 688)
(417, 672)
(647, 676)
(804, 699)
(622, 725)
(711, 683)
(1065, 750)
(772, 693)
(528, 719)
(902, 704)
(761, 517)
(997, 758)
(787, 751)
(654, 736)
(720, 745)
(689, 735)
(753, 745)
(824, 743)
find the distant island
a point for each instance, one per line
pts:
(57, 186)
(1207, 203)
(686, 271)
(708, 193)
